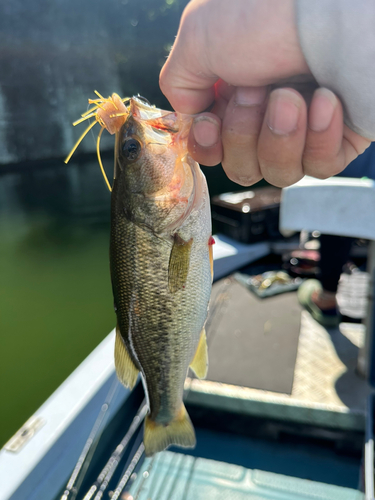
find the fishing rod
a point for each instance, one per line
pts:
(128, 471)
(88, 450)
(102, 481)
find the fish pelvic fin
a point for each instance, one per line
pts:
(126, 370)
(180, 432)
(179, 263)
(199, 365)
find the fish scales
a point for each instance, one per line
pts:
(160, 258)
(160, 323)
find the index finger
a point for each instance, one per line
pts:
(185, 79)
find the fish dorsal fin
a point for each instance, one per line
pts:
(179, 263)
(126, 371)
(199, 365)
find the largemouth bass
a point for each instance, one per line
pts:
(161, 263)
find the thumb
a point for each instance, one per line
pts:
(185, 79)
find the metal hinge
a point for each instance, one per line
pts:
(27, 431)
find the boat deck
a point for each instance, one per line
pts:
(268, 357)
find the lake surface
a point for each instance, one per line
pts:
(56, 303)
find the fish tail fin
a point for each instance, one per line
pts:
(158, 437)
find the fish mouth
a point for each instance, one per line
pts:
(158, 128)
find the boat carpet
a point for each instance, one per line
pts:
(252, 342)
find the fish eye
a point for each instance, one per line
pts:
(131, 149)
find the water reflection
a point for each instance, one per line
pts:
(54, 54)
(56, 301)
(71, 194)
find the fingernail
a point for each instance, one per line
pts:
(283, 111)
(321, 111)
(250, 96)
(206, 131)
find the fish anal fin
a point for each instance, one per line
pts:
(179, 263)
(199, 365)
(157, 437)
(126, 370)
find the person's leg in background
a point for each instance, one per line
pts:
(319, 297)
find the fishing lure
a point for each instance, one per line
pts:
(111, 114)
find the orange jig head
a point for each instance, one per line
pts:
(111, 114)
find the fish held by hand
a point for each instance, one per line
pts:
(161, 261)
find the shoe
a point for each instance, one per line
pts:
(329, 318)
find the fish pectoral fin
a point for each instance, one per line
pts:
(126, 370)
(157, 437)
(179, 263)
(199, 365)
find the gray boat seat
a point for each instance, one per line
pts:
(340, 206)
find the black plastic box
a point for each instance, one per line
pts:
(248, 216)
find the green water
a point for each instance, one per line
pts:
(56, 303)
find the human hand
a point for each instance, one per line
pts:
(233, 54)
